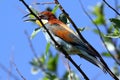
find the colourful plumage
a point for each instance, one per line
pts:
(67, 38)
(70, 41)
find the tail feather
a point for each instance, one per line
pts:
(107, 69)
(94, 61)
(98, 61)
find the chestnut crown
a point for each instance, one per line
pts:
(46, 15)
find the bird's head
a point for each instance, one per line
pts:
(46, 15)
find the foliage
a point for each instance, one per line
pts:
(116, 25)
(48, 64)
(110, 34)
(98, 12)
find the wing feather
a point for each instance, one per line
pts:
(62, 31)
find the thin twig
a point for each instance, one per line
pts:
(30, 43)
(10, 62)
(69, 69)
(116, 7)
(67, 65)
(33, 50)
(113, 41)
(57, 45)
(7, 71)
(108, 70)
(114, 44)
(111, 7)
(18, 71)
(116, 16)
(43, 3)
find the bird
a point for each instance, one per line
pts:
(70, 41)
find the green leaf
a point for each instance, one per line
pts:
(55, 8)
(112, 35)
(35, 70)
(116, 70)
(47, 48)
(52, 63)
(99, 20)
(81, 29)
(38, 62)
(35, 32)
(110, 46)
(115, 34)
(98, 12)
(45, 78)
(95, 31)
(50, 76)
(106, 54)
(67, 75)
(35, 62)
(116, 22)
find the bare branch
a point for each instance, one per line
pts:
(18, 71)
(7, 71)
(33, 50)
(111, 7)
(116, 7)
(10, 62)
(69, 69)
(43, 3)
(30, 43)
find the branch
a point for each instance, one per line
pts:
(18, 71)
(57, 45)
(30, 43)
(7, 71)
(33, 50)
(43, 3)
(111, 7)
(116, 7)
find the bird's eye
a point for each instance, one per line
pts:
(43, 16)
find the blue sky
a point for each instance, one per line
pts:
(14, 42)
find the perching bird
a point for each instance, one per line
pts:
(70, 41)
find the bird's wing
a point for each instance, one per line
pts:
(62, 31)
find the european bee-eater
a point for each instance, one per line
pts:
(69, 40)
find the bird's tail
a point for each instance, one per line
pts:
(94, 61)
(108, 70)
(99, 62)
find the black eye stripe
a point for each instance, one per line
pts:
(43, 16)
